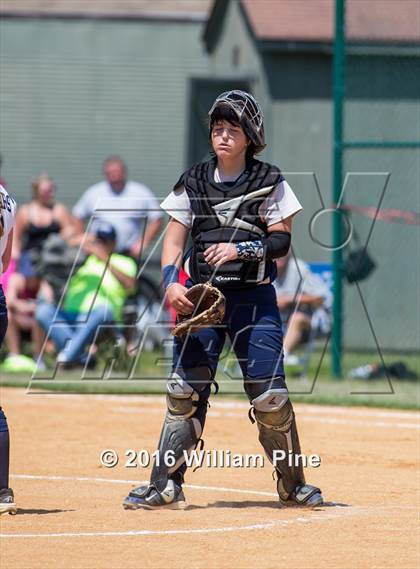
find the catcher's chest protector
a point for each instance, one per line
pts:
(225, 214)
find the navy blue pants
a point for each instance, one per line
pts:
(4, 430)
(253, 324)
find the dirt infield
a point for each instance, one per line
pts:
(70, 506)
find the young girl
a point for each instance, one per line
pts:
(7, 219)
(239, 212)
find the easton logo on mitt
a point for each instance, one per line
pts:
(209, 309)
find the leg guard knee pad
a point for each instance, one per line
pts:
(181, 430)
(181, 399)
(277, 427)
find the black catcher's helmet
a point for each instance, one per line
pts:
(249, 113)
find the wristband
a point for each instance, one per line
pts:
(250, 250)
(170, 275)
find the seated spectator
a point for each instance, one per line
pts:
(22, 292)
(95, 295)
(304, 301)
(39, 218)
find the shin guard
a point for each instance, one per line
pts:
(181, 430)
(277, 432)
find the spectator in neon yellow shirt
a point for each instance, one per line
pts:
(95, 296)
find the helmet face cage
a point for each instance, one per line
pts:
(249, 114)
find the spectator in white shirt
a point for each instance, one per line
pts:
(132, 208)
(301, 294)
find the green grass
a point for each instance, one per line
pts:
(401, 394)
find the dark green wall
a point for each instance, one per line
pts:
(382, 103)
(74, 91)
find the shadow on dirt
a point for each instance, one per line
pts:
(264, 504)
(39, 511)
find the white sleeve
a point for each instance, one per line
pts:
(280, 204)
(85, 205)
(153, 210)
(178, 206)
(8, 209)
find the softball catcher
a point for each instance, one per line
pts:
(239, 212)
(7, 220)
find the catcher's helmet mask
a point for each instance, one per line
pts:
(248, 113)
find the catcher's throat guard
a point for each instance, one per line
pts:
(209, 310)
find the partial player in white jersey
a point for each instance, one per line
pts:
(7, 220)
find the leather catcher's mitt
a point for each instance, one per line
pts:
(209, 309)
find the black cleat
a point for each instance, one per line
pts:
(149, 498)
(306, 496)
(7, 502)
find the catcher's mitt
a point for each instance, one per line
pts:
(209, 309)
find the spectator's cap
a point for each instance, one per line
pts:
(105, 231)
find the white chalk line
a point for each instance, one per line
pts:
(380, 424)
(119, 481)
(354, 412)
(343, 512)
(190, 486)
(301, 418)
(309, 414)
(340, 512)
(312, 409)
(328, 409)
